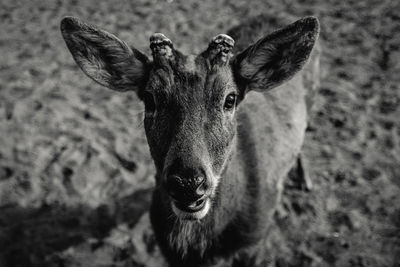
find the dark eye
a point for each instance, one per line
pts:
(149, 103)
(230, 102)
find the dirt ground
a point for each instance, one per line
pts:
(75, 170)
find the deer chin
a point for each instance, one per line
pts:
(192, 214)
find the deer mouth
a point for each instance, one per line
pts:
(191, 207)
(191, 211)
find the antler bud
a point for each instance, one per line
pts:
(160, 45)
(219, 50)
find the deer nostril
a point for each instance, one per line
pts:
(173, 185)
(201, 187)
(198, 180)
(188, 189)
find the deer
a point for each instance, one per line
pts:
(224, 128)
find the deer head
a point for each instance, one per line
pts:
(190, 100)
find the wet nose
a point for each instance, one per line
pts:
(186, 189)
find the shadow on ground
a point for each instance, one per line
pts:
(37, 235)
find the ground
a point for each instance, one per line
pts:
(75, 170)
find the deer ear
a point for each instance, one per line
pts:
(277, 57)
(103, 57)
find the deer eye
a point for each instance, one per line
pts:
(149, 103)
(230, 101)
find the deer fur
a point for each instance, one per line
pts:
(246, 152)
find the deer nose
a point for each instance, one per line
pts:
(186, 190)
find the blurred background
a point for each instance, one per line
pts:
(75, 171)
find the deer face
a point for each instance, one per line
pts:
(190, 127)
(190, 101)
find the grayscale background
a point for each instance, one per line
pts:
(75, 171)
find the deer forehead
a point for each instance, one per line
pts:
(189, 79)
(190, 64)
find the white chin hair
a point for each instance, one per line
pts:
(192, 215)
